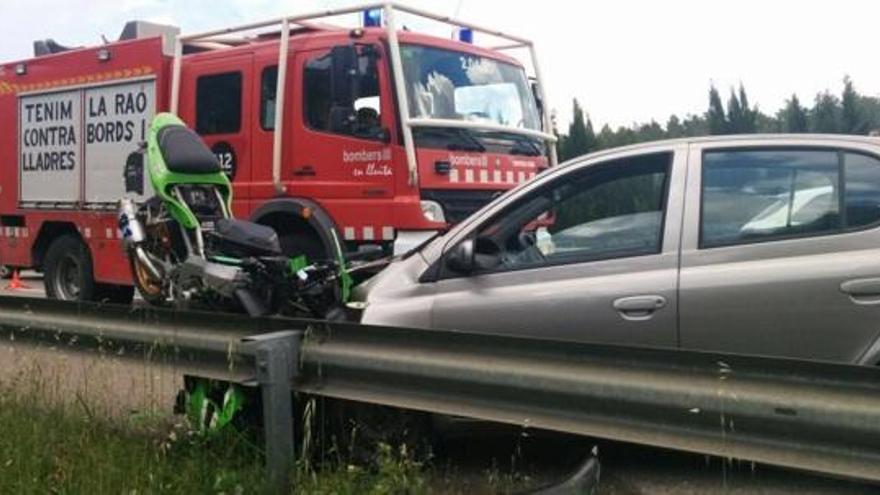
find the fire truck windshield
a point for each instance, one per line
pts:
(445, 84)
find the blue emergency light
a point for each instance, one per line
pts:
(373, 18)
(466, 35)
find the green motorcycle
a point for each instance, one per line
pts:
(186, 249)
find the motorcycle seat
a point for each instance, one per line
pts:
(241, 238)
(184, 151)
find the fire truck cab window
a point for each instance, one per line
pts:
(343, 104)
(218, 103)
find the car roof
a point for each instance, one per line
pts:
(732, 140)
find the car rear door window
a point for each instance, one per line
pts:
(862, 190)
(610, 210)
(762, 195)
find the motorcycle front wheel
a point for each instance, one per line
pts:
(152, 290)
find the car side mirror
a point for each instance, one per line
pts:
(461, 258)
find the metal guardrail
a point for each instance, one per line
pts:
(235, 348)
(821, 417)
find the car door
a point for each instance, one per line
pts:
(781, 251)
(587, 255)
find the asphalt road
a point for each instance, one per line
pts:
(511, 459)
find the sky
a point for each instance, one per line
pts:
(626, 61)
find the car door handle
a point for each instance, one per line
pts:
(862, 290)
(639, 307)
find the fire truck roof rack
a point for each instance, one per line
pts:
(307, 21)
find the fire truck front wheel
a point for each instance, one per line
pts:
(68, 270)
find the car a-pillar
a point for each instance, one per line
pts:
(303, 227)
(68, 267)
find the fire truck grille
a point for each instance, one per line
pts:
(458, 205)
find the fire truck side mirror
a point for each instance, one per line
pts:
(344, 75)
(536, 92)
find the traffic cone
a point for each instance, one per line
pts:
(16, 283)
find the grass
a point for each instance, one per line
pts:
(64, 449)
(65, 429)
(69, 447)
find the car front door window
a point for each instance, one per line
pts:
(610, 210)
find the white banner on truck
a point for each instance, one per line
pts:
(117, 119)
(50, 138)
(74, 144)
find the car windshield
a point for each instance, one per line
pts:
(445, 84)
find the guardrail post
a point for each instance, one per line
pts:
(277, 360)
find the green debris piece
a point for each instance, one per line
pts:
(205, 415)
(297, 263)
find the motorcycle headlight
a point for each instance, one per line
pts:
(432, 211)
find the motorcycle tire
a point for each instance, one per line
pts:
(151, 290)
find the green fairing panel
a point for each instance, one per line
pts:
(163, 179)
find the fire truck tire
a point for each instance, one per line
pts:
(5, 271)
(67, 270)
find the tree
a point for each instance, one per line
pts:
(748, 117)
(674, 129)
(735, 116)
(825, 116)
(580, 138)
(794, 117)
(651, 131)
(715, 115)
(607, 138)
(696, 125)
(560, 138)
(741, 119)
(850, 112)
(766, 124)
(851, 119)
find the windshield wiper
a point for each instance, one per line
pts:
(525, 146)
(468, 143)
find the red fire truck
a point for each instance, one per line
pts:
(377, 134)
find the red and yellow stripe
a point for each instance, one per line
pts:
(8, 88)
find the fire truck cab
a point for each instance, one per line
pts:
(376, 134)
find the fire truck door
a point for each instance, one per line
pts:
(216, 100)
(340, 147)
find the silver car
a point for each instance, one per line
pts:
(748, 244)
